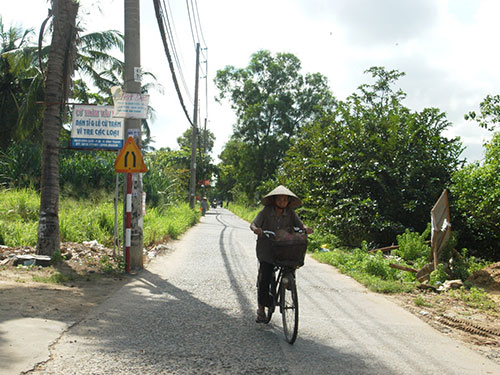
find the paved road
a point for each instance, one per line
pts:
(192, 312)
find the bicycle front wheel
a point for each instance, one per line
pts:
(289, 305)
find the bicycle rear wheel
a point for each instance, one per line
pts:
(289, 305)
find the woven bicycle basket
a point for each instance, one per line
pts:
(289, 249)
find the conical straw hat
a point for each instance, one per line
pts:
(294, 201)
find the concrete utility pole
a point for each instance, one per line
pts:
(132, 84)
(194, 140)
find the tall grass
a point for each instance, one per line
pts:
(85, 220)
(171, 221)
(19, 217)
(246, 213)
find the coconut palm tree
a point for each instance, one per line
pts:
(16, 79)
(60, 67)
(94, 65)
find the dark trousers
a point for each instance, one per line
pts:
(264, 282)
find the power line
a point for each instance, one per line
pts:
(199, 23)
(172, 34)
(169, 57)
(169, 35)
(191, 23)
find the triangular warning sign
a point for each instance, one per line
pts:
(130, 160)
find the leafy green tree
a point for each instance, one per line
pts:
(205, 144)
(167, 180)
(489, 115)
(372, 168)
(475, 203)
(205, 169)
(234, 173)
(476, 189)
(272, 100)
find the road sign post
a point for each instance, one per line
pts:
(128, 222)
(130, 161)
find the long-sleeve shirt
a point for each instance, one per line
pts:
(268, 220)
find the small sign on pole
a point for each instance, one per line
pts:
(130, 160)
(130, 105)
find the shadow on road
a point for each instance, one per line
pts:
(154, 326)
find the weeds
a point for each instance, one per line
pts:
(55, 278)
(109, 267)
(421, 301)
(57, 258)
(476, 298)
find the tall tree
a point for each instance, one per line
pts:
(205, 168)
(57, 86)
(373, 168)
(272, 100)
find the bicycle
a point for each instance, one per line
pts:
(289, 255)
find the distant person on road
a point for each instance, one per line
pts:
(278, 213)
(204, 206)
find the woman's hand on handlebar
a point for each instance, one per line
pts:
(258, 231)
(308, 230)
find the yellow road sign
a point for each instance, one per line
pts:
(130, 160)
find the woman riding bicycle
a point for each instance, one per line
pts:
(278, 214)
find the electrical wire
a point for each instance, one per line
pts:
(169, 35)
(159, 18)
(199, 23)
(191, 23)
(172, 34)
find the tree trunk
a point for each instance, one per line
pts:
(59, 72)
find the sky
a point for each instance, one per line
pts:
(447, 49)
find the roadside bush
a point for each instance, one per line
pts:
(413, 246)
(376, 266)
(438, 276)
(82, 173)
(475, 204)
(245, 212)
(169, 221)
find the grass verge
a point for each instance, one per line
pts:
(85, 220)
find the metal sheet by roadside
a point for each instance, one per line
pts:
(441, 225)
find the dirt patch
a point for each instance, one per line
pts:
(86, 276)
(476, 328)
(487, 278)
(86, 279)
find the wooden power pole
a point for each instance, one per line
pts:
(194, 140)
